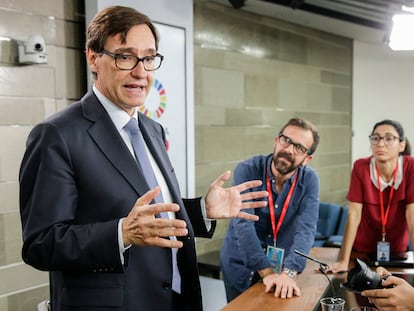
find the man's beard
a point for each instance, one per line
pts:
(281, 167)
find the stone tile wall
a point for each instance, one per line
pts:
(252, 74)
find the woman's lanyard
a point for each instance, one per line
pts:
(384, 214)
(272, 208)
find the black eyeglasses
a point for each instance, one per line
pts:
(286, 142)
(129, 61)
(389, 139)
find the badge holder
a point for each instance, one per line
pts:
(383, 251)
(275, 256)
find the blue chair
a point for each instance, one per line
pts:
(336, 240)
(329, 214)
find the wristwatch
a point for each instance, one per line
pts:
(291, 273)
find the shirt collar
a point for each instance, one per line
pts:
(374, 176)
(118, 116)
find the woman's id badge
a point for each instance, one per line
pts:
(383, 251)
(275, 256)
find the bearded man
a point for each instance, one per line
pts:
(264, 250)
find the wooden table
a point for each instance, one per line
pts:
(311, 282)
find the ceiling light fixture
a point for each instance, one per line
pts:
(401, 37)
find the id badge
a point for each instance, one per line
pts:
(383, 251)
(275, 256)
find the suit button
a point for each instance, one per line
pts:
(166, 285)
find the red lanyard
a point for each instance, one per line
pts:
(272, 208)
(384, 214)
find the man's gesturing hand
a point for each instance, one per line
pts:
(229, 202)
(142, 228)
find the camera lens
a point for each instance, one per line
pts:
(361, 278)
(38, 47)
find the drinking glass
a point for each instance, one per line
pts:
(332, 304)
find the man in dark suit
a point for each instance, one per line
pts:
(88, 213)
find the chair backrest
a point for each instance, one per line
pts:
(342, 221)
(329, 214)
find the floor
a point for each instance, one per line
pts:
(213, 292)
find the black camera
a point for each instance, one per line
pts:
(361, 277)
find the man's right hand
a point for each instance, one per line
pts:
(142, 228)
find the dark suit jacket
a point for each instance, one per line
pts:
(77, 179)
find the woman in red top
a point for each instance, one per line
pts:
(381, 196)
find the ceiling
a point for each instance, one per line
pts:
(363, 20)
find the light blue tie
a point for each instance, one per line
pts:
(142, 157)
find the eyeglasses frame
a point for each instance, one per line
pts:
(296, 146)
(383, 138)
(115, 56)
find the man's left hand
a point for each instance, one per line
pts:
(229, 202)
(283, 285)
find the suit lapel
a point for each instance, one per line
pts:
(107, 138)
(153, 138)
